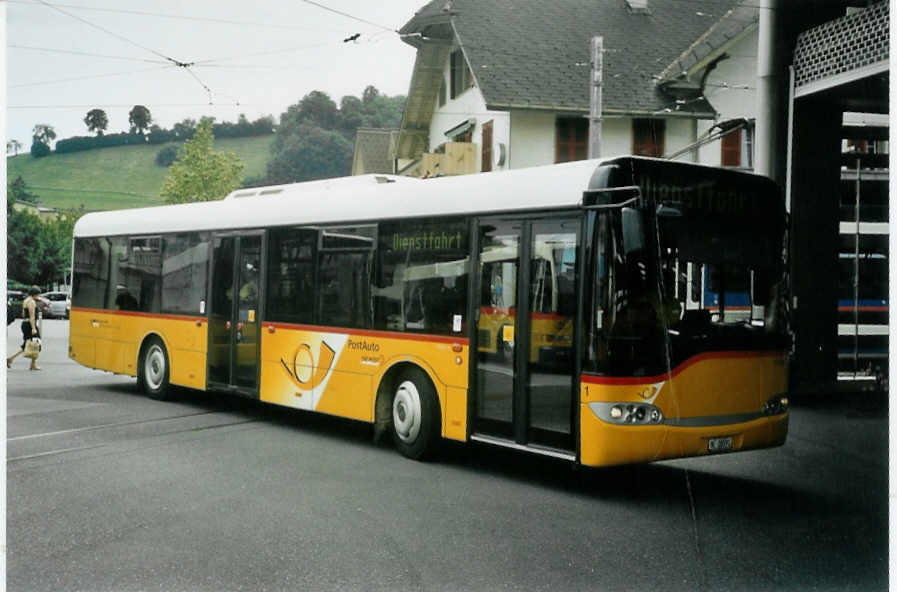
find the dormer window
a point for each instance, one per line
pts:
(461, 78)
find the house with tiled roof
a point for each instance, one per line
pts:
(513, 78)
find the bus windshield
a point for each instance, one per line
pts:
(725, 274)
(689, 269)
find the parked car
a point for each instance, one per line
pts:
(14, 300)
(59, 304)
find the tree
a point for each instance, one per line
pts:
(96, 121)
(316, 108)
(310, 153)
(23, 245)
(373, 110)
(166, 156)
(140, 119)
(185, 129)
(13, 146)
(18, 191)
(44, 133)
(200, 173)
(370, 93)
(38, 148)
(351, 115)
(39, 251)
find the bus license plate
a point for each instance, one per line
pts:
(719, 444)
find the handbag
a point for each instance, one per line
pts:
(32, 348)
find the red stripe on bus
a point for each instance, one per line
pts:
(134, 313)
(633, 380)
(370, 333)
(863, 309)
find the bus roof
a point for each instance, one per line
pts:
(356, 200)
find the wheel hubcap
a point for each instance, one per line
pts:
(154, 369)
(406, 414)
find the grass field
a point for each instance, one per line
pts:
(116, 178)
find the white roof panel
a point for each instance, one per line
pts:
(352, 200)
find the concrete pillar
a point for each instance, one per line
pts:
(772, 77)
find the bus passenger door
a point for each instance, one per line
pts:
(234, 318)
(524, 332)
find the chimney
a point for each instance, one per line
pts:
(638, 6)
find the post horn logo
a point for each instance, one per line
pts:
(302, 369)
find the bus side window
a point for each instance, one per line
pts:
(291, 270)
(343, 280)
(420, 282)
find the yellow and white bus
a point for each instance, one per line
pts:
(545, 309)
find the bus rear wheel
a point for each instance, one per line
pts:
(415, 415)
(153, 370)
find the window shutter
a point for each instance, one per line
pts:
(486, 164)
(731, 149)
(648, 137)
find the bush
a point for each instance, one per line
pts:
(39, 149)
(79, 143)
(166, 156)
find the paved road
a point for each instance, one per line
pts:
(108, 490)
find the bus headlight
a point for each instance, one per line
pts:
(627, 413)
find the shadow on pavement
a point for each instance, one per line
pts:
(848, 403)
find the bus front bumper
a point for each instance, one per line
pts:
(606, 444)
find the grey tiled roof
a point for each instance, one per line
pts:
(536, 53)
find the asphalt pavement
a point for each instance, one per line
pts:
(110, 491)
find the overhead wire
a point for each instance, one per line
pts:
(107, 31)
(120, 106)
(83, 53)
(350, 16)
(90, 77)
(185, 65)
(180, 17)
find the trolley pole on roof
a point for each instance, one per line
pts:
(595, 96)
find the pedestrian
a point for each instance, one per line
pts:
(29, 326)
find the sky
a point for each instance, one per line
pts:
(256, 57)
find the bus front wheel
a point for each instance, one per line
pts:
(153, 369)
(415, 414)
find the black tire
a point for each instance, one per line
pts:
(153, 370)
(416, 417)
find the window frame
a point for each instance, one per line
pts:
(565, 150)
(648, 137)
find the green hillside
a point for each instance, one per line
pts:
(116, 178)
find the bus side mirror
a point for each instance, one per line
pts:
(633, 230)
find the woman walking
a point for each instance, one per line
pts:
(29, 326)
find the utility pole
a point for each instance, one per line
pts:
(595, 97)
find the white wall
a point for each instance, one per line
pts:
(616, 137)
(469, 104)
(532, 139)
(679, 134)
(530, 135)
(731, 89)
